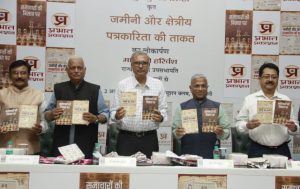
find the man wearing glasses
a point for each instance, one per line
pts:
(135, 132)
(266, 138)
(200, 143)
(77, 89)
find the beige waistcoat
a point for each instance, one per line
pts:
(12, 97)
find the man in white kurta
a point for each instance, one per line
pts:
(20, 93)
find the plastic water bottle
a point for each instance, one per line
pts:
(97, 153)
(216, 152)
(9, 148)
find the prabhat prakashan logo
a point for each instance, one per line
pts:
(163, 136)
(291, 71)
(266, 27)
(33, 61)
(60, 20)
(237, 70)
(5, 16)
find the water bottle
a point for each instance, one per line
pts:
(9, 148)
(97, 153)
(216, 152)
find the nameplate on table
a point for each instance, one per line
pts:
(118, 161)
(215, 163)
(294, 165)
(22, 159)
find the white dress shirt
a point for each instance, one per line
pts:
(265, 134)
(152, 87)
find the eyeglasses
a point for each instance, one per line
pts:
(140, 63)
(269, 77)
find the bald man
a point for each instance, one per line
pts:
(201, 143)
(77, 89)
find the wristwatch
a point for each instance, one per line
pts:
(162, 118)
(98, 120)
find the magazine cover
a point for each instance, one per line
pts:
(73, 111)
(265, 111)
(150, 104)
(189, 120)
(9, 118)
(296, 144)
(31, 23)
(56, 62)
(289, 33)
(79, 107)
(282, 111)
(66, 117)
(128, 102)
(209, 119)
(28, 116)
(238, 32)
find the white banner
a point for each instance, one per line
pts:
(60, 24)
(266, 28)
(175, 38)
(289, 80)
(237, 74)
(35, 56)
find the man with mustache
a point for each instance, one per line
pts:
(20, 93)
(266, 138)
(201, 143)
(136, 134)
(77, 89)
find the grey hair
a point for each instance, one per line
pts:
(74, 57)
(198, 76)
(138, 53)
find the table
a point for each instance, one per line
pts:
(147, 177)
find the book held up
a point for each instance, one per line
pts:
(282, 111)
(189, 120)
(128, 102)
(72, 112)
(24, 116)
(9, 118)
(150, 104)
(209, 119)
(265, 111)
(278, 111)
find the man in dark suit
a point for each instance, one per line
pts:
(77, 89)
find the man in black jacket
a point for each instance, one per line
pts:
(77, 89)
